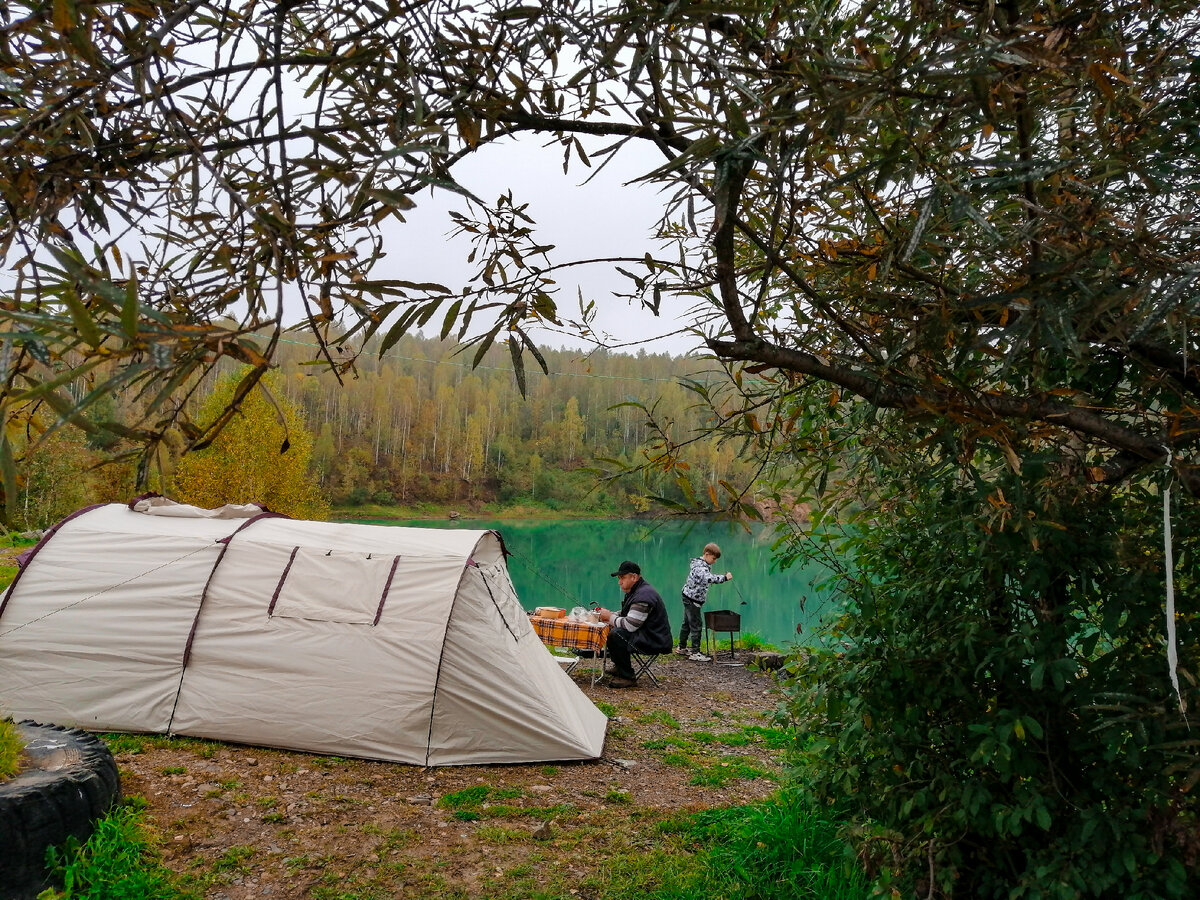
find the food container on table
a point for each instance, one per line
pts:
(550, 612)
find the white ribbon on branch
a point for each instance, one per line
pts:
(1169, 558)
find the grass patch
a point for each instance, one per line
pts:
(663, 743)
(327, 893)
(735, 739)
(295, 864)
(753, 643)
(504, 793)
(134, 744)
(126, 743)
(505, 811)
(120, 861)
(781, 849)
(329, 762)
(732, 769)
(11, 747)
(661, 716)
(680, 760)
(658, 873)
(234, 859)
(747, 642)
(474, 797)
(466, 798)
(775, 738)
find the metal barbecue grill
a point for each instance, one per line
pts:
(721, 621)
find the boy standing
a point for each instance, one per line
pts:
(695, 592)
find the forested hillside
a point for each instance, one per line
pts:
(420, 424)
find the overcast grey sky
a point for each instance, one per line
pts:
(601, 218)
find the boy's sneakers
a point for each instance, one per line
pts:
(681, 651)
(697, 656)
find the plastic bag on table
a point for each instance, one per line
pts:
(578, 614)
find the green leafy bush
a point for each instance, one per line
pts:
(994, 712)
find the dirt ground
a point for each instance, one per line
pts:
(241, 822)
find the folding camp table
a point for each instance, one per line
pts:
(570, 635)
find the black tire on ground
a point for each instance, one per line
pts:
(70, 782)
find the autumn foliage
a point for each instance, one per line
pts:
(261, 456)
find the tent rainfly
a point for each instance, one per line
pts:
(402, 644)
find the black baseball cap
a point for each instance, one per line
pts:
(627, 568)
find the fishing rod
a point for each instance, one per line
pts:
(575, 601)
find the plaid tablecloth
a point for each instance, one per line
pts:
(575, 635)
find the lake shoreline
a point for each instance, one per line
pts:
(769, 512)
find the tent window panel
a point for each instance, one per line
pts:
(333, 586)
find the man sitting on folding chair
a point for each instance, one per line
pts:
(640, 630)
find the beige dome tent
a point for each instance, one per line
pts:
(404, 644)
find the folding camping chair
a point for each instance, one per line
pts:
(643, 664)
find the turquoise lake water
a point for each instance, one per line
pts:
(567, 563)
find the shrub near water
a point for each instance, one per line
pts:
(997, 718)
